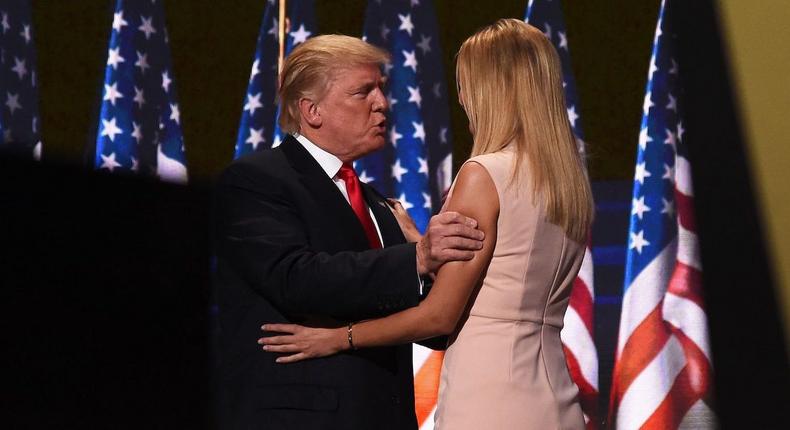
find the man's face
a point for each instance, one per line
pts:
(353, 109)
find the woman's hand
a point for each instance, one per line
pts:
(405, 222)
(303, 342)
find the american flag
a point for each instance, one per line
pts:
(416, 164)
(19, 119)
(577, 334)
(258, 128)
(662, 376)
(139, 126)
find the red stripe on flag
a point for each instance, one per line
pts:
(685, 206)
(644, 344)
(691, 385)
(426, 386)
(686, 282)
(588, 395)
(582, 302)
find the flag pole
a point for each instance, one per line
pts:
(281, 39)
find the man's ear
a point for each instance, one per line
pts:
(308, 109)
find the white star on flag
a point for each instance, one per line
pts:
(166, 81)
(12, 101)
(647, 104)
(253, 102)
(398, 171)
(404, 202)
(653, 67)
(111, 93)
(668, 207)
(275, 30)
(26, 34)
(391, 100)
(114, 58)
(142, 62)
(138, 97)
(385, 31)
(669, 173)
(405, 23)
(300, 35)
(147, 27)
(638, 241)
(563, 40)
(423, 165)
(5, 24)
(110, 129)
(572, 115)
(641, 173)
(109, 163)
(671, 139)
(19, 68)
(427, 198)
(255, 69)
(394, 136)
(175, 115)
(673, 103)
(644, 138)
(639, 207)
(414, 95)
(256, 137)
(425, 44)
(137, 133)
(363, 177)
(410, 60)
(548, 31)
(419, 130)
(118, 22)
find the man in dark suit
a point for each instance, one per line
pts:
(301, 239)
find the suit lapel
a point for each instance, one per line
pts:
(388, 225)
(337, 210)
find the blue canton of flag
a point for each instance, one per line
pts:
(258, 128)
(546, 15)
(140, 123)
(416, 165)
(653, 225)
(19, 120)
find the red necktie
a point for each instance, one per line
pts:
(354, 190)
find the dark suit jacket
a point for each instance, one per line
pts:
(290, 247)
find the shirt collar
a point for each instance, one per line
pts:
(327, 161)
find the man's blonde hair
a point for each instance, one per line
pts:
(510, 84)
(311, 67)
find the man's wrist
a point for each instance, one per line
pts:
(422, 268)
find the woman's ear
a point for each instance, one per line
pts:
(308, 109)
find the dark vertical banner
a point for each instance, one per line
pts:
(19, 118)
(751, 368)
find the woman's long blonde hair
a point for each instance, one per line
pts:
(510, 84)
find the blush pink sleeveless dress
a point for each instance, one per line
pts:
(505, 367)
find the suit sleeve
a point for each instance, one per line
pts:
(263, 238)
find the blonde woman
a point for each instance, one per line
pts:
(526, 186)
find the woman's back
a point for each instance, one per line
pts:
(505, 367)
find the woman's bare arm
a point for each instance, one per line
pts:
(475, 196)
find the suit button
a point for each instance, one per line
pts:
(396, 399)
